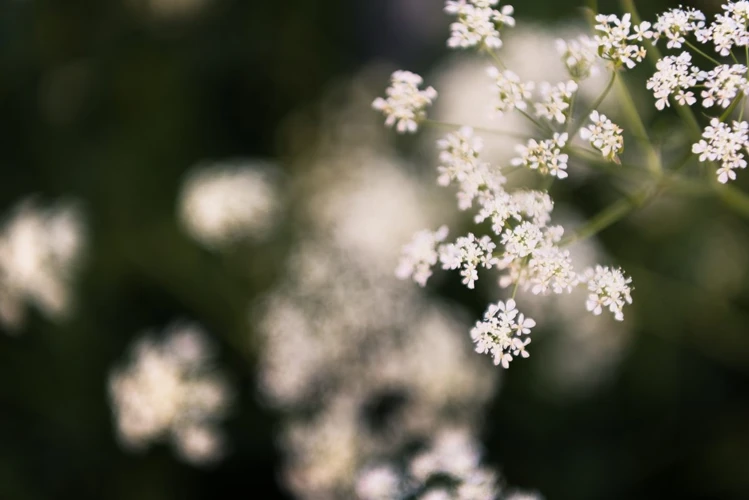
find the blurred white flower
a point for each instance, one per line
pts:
(229, 201)
(378, 362)
(39, 252)
(169, 390)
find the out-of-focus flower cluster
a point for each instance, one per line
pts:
(40, 249)
(223, 203)
(169, 390)
(365, 363)
(448, 468)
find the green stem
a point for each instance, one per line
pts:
(700, 52)
(610, 215)
(437, 123)
(535, 122)
(731, 107)
(630, 112)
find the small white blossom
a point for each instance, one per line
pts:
(723, 83)
(674, 75)
(608, 288)
(604, 135)
(499, 333)
(555, 100)
(614, 37)
(478, 24)
(674, 24)
(724, 144)
(405, 104)
(545, 156)
(511, 92)
(579, 56)
(468, 252)
(420, 255)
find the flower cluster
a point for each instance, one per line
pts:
(580, 56)
(405, 103)
(545, 156)
(673, 77)
(555, 100)
(459, 154)
(448, 468)
(511, 92)
(674, 24)
(40, 249)
(728, 30)
(615, 37)
(422, 252)
(478, 23)
(608, 288)
(725, 145)
(223, 203)
(500, 333)
(169, 391)
(723, 86)
(604, 135)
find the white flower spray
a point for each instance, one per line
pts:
(522, 245)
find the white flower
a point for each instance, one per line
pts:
(604, 135)
(580, 56)
(224, 203)
(550, 268)
(608, 288)
(674, 74)
(510, 91)
(168, 390)
(723, 83)
(459, 154)
(40, 248)
(522, 240)
(536, 205)
(468, 252)
(378, 483)
(674, 24)
(614, 37)
(478, 23)
(724, 144)
(420, 255)
(728, 29)
(555, 100)
(405, 104)
(498, 333)
(499, 208)
(545, 156)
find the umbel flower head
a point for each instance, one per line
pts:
(405, 104)
(169, 391)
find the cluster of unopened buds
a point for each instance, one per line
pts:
(523, 246)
